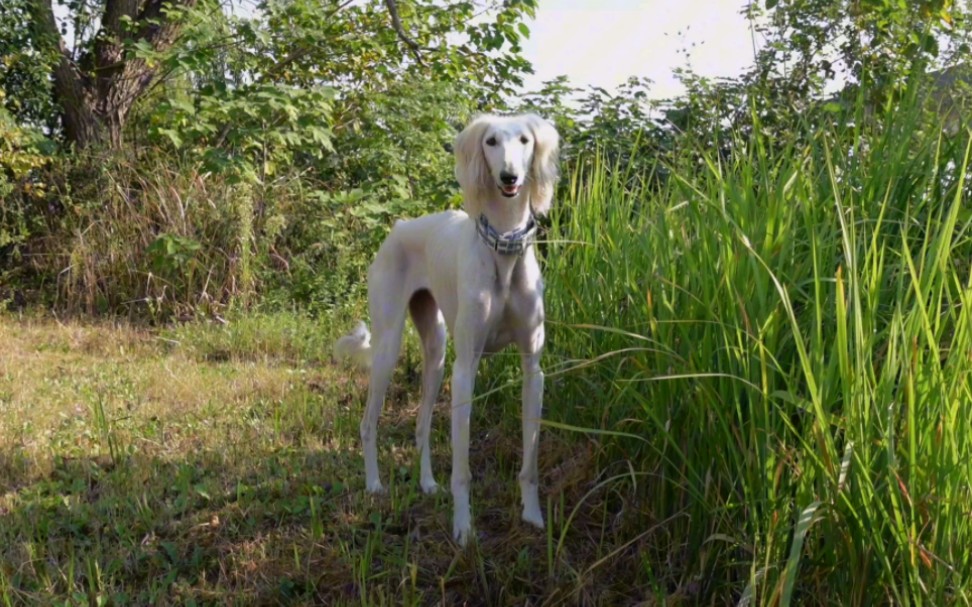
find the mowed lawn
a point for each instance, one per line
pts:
(219, 464)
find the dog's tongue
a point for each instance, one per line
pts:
(510, 189)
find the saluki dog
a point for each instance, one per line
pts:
(474, 272)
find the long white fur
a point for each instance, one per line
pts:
(437, 268)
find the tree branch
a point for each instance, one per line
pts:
(157, 28)
(397, 25)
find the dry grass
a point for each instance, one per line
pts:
(219, 465)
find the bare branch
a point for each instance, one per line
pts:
(397, 25)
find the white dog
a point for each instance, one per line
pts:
(476, 273)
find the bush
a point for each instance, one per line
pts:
(109, 236)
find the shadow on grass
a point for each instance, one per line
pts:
(282, 526)
(169, 478)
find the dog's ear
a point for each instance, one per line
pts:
(543, 172)
(471, 170)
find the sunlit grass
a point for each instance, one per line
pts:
(219, 464)
(786, 332)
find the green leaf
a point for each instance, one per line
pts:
(172, 136)
(796, 552)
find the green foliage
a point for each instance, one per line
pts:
(24, 152)
(170, 253)
(249, 133)
(258, 103)
(624, 128)
(874, 43)
(319, 261)
(308, 125)
(371, 145)
(24, 69)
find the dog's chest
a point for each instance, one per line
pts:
(515, 307)
(502, 332)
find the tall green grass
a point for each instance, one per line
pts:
(777, 348)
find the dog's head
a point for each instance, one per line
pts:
(509, 155)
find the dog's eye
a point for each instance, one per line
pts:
(491, 141)
(524, 140)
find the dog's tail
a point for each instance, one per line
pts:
(355, 347)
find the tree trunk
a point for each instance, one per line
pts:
(77, 105)
(95, 102)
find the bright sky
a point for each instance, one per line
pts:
(603, 42)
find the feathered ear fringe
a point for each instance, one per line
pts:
(543, 172)
(471, 170)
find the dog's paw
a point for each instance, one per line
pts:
(462, 536)
(429, 486)
(461, 530)
(531, 504)
(533, 516)
(375, 487)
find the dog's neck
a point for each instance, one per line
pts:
(507, 214)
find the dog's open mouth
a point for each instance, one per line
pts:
(510, 190)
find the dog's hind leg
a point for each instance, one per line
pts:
(388, 320)
(432, 329)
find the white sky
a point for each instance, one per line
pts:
(603, 42)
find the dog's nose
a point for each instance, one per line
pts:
(507, 178)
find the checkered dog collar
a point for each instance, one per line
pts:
(511, 243)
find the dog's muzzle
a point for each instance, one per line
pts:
(513, 242)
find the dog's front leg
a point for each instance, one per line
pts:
(463, 380)
(532, 410)
(469, 347)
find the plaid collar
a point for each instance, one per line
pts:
(514, 242)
